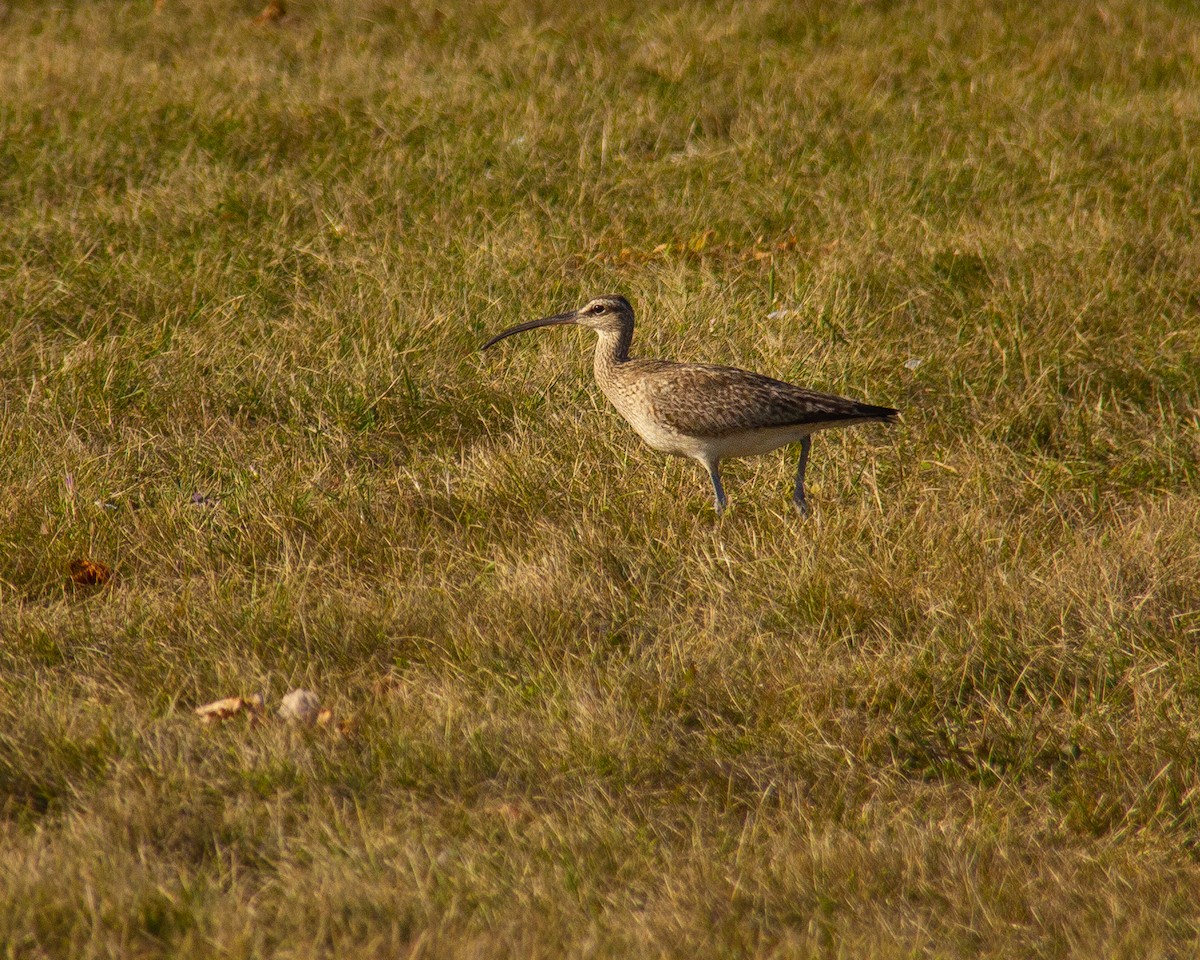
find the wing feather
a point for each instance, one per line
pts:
(712, 401)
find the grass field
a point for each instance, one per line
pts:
(244, 273)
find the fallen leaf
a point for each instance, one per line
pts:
(344, 726)
(393, 682)
(273, 12)
(384, 685)
(700, 240)
(89, 573)
(507, 810)
(220, 710)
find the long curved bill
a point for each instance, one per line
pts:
(557, 319)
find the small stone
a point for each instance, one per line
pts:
(912, 363)
(302, 706)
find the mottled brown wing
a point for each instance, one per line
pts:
(708, 401)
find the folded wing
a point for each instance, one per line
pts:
(712, 401)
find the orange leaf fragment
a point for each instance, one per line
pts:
(346, 726)
(273, 12)
(89, 573)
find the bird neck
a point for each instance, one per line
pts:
(612, 349)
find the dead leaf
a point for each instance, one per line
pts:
(700, 240)
(345, 727)
(220, 710)
(89, 573)
(387, 684)
(273, 12)
(510, 811)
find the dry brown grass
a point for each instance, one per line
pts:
(243, 275)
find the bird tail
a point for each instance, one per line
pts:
(882, 414)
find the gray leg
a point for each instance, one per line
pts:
(714, 473)
(798, 496)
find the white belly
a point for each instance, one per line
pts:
(747, 444)
(754, 442)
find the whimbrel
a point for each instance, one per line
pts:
(701, 411)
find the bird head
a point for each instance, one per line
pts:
(610, 313)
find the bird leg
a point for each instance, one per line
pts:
(714, 473)
(798, 495)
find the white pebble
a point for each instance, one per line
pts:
(301, 705)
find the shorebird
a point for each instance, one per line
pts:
(705, 412)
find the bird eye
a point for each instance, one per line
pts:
(598, 308)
